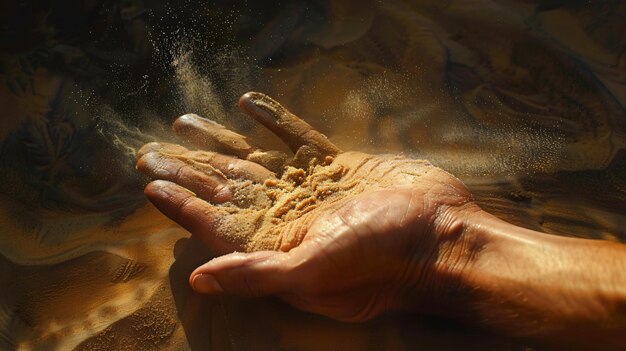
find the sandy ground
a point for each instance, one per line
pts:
(526, 107)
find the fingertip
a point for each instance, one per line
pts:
(253, 274)
(154, 188)
(147, 148)
(183, 122)
(143, 161)
(261, 107)
(192, 121)
(205, 284)
(246, 102)
(247, 98)
(160, 147)
(154, 165)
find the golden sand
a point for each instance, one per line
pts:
(533, 129)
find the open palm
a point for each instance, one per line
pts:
(344, 234)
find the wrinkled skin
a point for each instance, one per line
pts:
(352, 257)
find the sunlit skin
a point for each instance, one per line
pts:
(410, 239)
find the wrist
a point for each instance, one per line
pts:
(544, 287)
(521, 283)
(440, 284)
(479, 258)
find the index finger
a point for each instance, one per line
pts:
(291, 129)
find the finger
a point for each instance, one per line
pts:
(292, 130)
(253, 274)
(212, 136)
(273, 160)
(207, 182)
(213, 225)
(172, 149)
(232, 167)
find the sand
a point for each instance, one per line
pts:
(258, 211)
(533, 126)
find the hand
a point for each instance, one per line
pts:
(344, 234)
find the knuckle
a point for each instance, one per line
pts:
(181, 172)
(185, 206)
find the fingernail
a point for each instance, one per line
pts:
(262, 106)
(186, 118)
(193, 119)
(206, 284)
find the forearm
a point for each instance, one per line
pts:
(548, 288)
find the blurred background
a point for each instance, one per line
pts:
(523, 100)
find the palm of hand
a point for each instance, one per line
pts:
(345, 234)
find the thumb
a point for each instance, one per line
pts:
(253, 274)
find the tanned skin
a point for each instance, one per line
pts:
(411, 240)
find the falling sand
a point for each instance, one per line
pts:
(87, 263)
